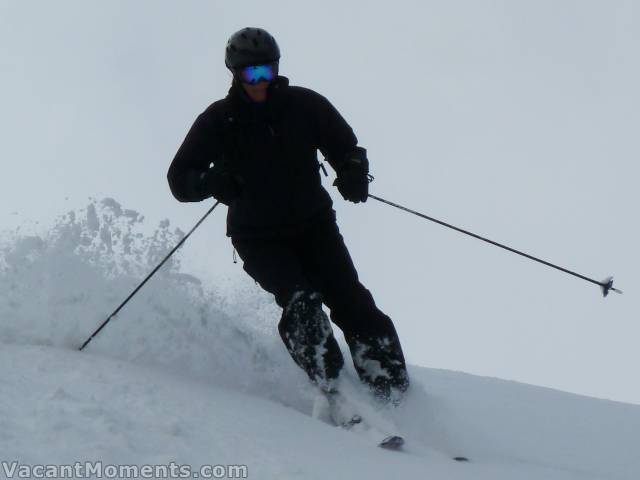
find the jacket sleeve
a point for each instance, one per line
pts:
(335, 136)
(201, 147)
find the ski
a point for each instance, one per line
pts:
(392, 442)
(355, 422)
(347, 417)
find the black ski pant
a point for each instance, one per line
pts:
(313, 267)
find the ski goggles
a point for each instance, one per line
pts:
(256, 73)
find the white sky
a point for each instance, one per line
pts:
(517, 120)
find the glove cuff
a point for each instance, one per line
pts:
(355, 161)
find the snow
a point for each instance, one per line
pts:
(187, 375)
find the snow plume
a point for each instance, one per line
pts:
(56, 288)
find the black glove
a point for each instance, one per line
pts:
(218, 182)
(353, 176)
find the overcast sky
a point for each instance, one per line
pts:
(517, 120)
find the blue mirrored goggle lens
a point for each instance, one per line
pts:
(254, 74)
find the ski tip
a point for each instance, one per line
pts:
(392, 442)
(461, 459)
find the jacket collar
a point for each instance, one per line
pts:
(248, 111)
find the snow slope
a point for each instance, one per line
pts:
(62, 406)
(189, 376)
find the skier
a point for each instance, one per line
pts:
(256, 152)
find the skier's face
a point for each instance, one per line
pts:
(257, 92)
(256, 79)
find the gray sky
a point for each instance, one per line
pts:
(517, 120)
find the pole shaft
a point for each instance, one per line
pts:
(466, 232)
(115, 312)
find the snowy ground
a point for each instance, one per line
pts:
(61, 407)
(189, 376)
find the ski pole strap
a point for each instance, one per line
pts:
(606, 285)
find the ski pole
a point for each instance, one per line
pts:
(606, 285)
(115, 312)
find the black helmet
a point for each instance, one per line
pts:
(251, 46)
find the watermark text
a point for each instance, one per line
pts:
(99, 469)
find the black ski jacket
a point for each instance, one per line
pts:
(271, 149)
